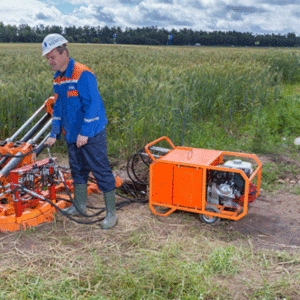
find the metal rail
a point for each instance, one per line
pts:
(16, 160)
(11, 139)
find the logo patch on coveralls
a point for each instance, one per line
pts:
(71, 87)
(72, 94)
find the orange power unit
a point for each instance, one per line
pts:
(202, 181)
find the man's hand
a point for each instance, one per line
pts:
(81, 140)
(50, 141)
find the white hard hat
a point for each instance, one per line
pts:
(51, 41)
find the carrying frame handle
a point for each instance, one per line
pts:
(156, 141)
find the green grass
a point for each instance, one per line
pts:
(205, 97)
(141, 265)
(275, 173)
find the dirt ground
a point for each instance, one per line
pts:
(272, 221)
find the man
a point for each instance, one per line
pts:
(79, 112)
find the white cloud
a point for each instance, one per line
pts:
(273, 16)
(15, 12)
(78, 2)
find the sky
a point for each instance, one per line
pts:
(256, 17)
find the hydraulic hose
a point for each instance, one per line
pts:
(125, 188)
(131, 167)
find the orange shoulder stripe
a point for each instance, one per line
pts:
(56, 80)
(78, 69)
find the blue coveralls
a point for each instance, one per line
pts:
(79, 109)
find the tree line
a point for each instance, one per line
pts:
(145, 36)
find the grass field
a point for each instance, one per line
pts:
(202, 97)
(238, 99)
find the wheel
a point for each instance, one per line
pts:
(211, 220)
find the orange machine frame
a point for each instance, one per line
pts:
(19, 211)
(178, 180)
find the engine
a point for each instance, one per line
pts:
(227, 188)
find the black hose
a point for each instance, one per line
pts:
(71, 218)
(131, 167)
(124, 188)
(118, 206)
(78, 209)
(20, 156)
(101, 210)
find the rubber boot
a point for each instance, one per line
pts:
(80, 195)
(111, 216)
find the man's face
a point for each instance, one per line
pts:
(57, 61)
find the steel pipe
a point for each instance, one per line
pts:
(16, 160)
(40, 133)
(41, 146)
(25, 124)
(35, 128)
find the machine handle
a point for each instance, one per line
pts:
(156, 141)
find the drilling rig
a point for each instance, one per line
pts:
(32, 191)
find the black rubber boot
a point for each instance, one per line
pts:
(111, 216)
(80, 196)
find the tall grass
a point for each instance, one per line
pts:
(205, 97)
